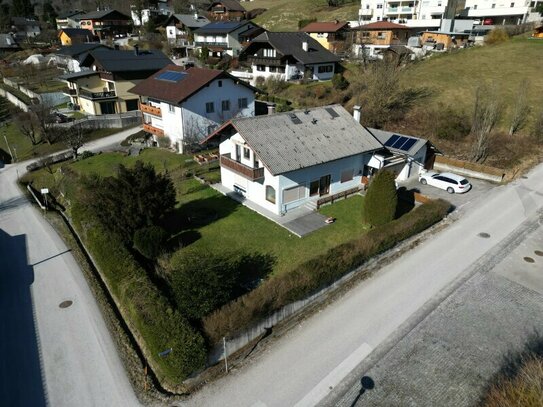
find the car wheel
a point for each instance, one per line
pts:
(423, 181)
(450, 190)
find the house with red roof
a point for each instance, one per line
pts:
(375, 39)
(331, 35)
(185, 105)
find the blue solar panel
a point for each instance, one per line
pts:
(392, 140)
(171, 76)
(398, 144)
(408, 144)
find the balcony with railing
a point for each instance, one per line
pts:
(251, 174)
(365, 12)
(145, 108)
(152, 129)
(97, 95)
(69, 91)
(211, 44)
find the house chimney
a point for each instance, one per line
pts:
(196, 15)
(356, 113)
(271, 108)
(136, 49)
(305, 46)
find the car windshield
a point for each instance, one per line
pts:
(464, 181)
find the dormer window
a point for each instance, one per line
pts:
(269, 53)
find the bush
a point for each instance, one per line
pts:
(496, 36)
(164, 142)
(150, 241)
(274, 85)
(339, 82)
(538, 127)
(86, 154)
(381, 199)
(315, 274)
(449, 124)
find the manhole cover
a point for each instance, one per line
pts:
(529, 260)
(484, 234)
(65, 304)
(538, 253)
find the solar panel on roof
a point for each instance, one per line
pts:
(399, 142)
(332, 112)
(408, 144)
(171, 76)
(392, 140)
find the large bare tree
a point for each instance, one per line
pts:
(74, 137)
(26, 123)
(521, 108)
(486, 113)
(45, 120)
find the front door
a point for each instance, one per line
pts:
(324, 185)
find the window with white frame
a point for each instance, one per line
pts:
(379, 6)
(261, 68)
(326, 68)
(171, 108)
(246, 153)
(270, 194)
(269, 53)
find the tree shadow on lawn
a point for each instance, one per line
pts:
(198, 213)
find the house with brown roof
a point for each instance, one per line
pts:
(331, 35)
(226, 10)
(375, 39)
(106, 23)
(185, 105)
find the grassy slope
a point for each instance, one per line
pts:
(283, 15)
(454, 77)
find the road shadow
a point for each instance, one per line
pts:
(366, 383)
(21, 379)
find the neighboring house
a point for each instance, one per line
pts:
(70, 57)
(154, 9)
(225, 37)
(439, 40)
(105, 87)
(413, 13)
(226, 10)
(106, 24)
(8, 43)
(187, 105)
(69, 19)
(180, 28)
(372, 39)
(285, 160)
(25, 27)
(289, 56)
(72, 36)
(331, 35)
(503, 12)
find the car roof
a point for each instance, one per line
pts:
(452, 176)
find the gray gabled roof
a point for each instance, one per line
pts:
(127, 61)
(290, 43)
(76, 50)
(303, 138)
(383, 136)
(7, 41)
(188, 20)
(96, 15)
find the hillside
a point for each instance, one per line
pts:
(283, 15)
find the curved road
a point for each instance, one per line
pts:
(50, 355)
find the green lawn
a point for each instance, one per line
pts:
(453, 77)
(283, 15)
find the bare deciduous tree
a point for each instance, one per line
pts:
(521, 109)
(485, 116)
(26, 123)
(44, 117)
(74, 137)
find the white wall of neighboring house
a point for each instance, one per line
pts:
(191, 120)
(415, 13)
(504, 11)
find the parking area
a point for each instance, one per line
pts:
(479, 188)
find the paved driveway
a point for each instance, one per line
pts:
(479, 188)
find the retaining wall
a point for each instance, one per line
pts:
(469, 169)
(14, 100)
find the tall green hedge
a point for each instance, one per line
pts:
(319, 272)
(381, 199)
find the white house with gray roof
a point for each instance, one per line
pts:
(282, 161)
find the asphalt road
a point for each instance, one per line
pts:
(50, 355)
(304, 366)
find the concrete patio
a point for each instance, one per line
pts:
(300, 221)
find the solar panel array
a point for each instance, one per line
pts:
(400, 142)
(171, 76)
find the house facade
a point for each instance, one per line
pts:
(413, 13)
(106, 24)
(69, 57)
(225, 37)
(72, 36)
(373, 38)
(226, 10)
(331, 35)
(185, 105)
(69, 19)
(104, 86)
(180, 31)
(503, 12)
(289, 56)
(25, 27)
(285, 160)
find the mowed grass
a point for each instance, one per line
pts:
(283, 15)
(454, 77)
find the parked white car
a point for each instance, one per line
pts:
(448, 181)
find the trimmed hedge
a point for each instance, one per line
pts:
(157, 325)
(318, 273)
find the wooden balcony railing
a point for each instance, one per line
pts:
(150, 109)
(153, 130)
(250, 173)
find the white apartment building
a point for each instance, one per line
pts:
(498, 12)
(413, 13)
